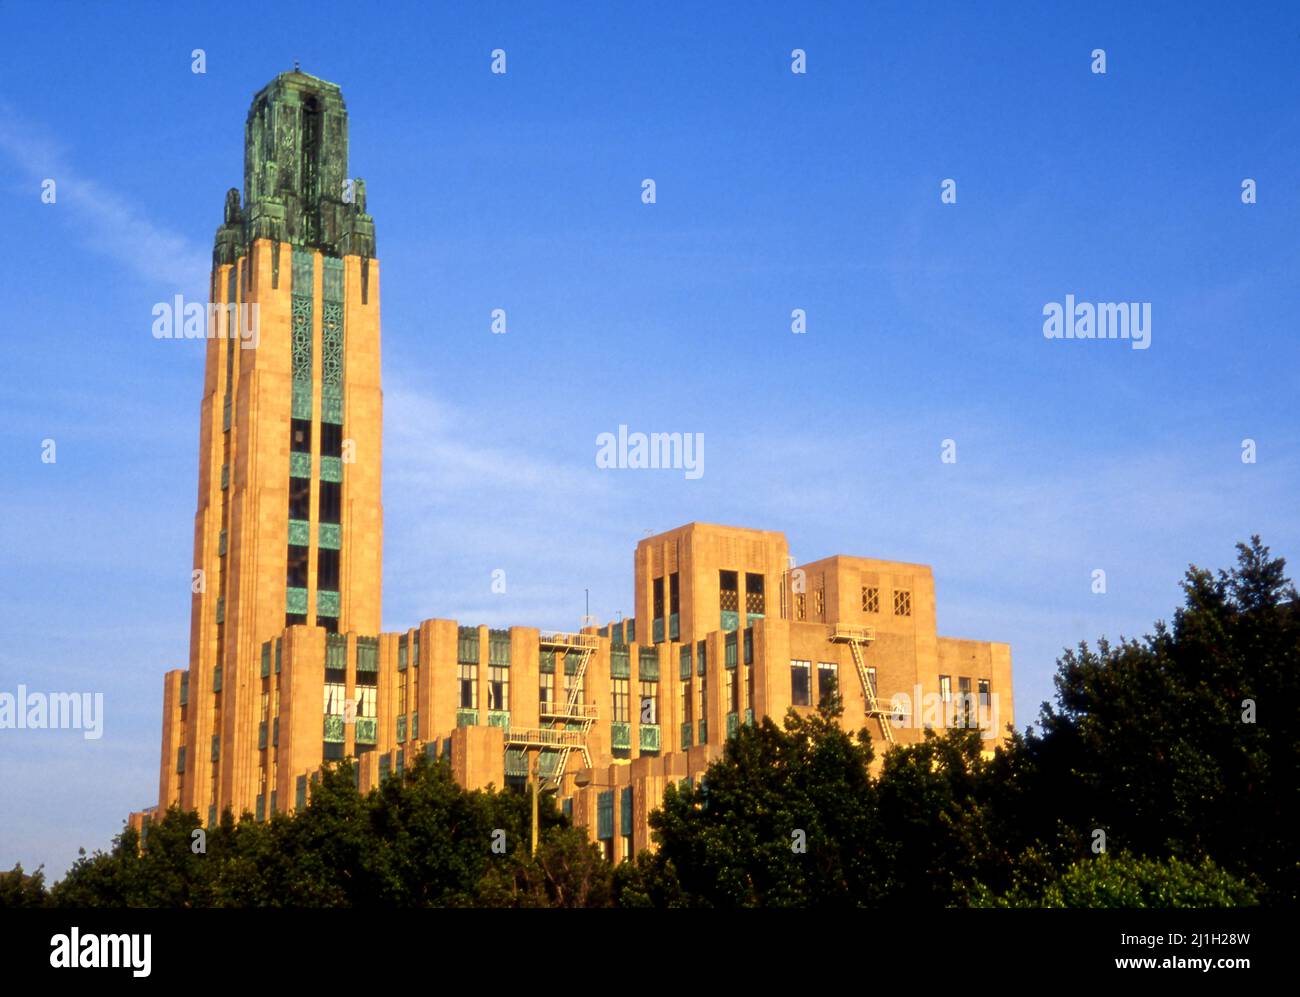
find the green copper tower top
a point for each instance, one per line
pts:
(296, 187)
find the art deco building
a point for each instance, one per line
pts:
(288, 667)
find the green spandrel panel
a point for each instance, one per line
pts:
(299, 532)
(331, 536)
(300, 465)
(327, 603)
(331, 468)
(295, 600)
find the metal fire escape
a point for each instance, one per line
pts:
(565, 725)
(858, 638)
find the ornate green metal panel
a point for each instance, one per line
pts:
(336, 651)
(327, 603)
(216, 679)
(657, 630)
(516, 762)
(295, 600)
(648, 665)
(331, 536)
(649, 737)
(620, 736)
(674, 626)
(367, 730)
(401, 653)
(730, 620)
(367, 654)
(571, 659)
(605, 814)
(299, 465)
(702, 657)
(620, 663)
(331, 329)
(334, 729)
(261, 808)
(733, 724)
(261, 735)
(415, 726)
(546, 662)
(499, 718)
(548, 761)
(625, 811)
(467, 645)
(498, 647)
(221, 609)
(331, 279)
(299, 532)
(686, 736)
(729, 657)
(401, 728)
(467, 718)
(704, 732)
(277, 640)
(331, 468)
(749, 718)
(684, 671)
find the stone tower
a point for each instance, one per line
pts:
(289, 526)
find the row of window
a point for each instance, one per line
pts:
(870, 602)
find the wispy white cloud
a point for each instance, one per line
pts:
(107, 222)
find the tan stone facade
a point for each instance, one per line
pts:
(288, 668)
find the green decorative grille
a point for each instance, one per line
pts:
(620, 663)
(261, 736)
(730, 620)
(571, 659)
(702, 657)
(334, 729)
(401, 729)
(295, 600)
(657, 630)
(266, 659)
(548, 762)
(216, 679)
(331, 468)
(649, 737)
(299, 532)
(546, 662)
(402, 653)
(674, 626)
(749, 718)
(625, 810)
(336, 651)
(704, 732)
(467, 645)
(686, 736)
(467, 718)
(684, 672)
(299, 465)
(327, 603)
(498, 647)
(516, 762)
(415, 726)
(302, 349)
(331, 279)
(729, 659)
(733, 724)
(331, 536)
(648, 665)
(620, 736)
(367, 730)
(331, 331)
(499, 718)
(277, 642)
(367, 654)
(605, 815)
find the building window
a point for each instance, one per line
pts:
(945, 688)
(674, 595)
(800, 606)
(819, 603)
(985, 694)
(297, 573)
(300, 437)
(649, 702)
(729, 594)
(620, 697)
(871, 681)
(299, 498)
(546, 690)
(800, 683)
(468, 686)
(331, 440)
(335, 691)
(498, 688)
(331, 501)
(755, 602)
(327, 569)
(684, 706)
(828, 681)
(574, 690)
(703, 686)
(902, 603)
(870, 599)
(965, 700)
(658, 608)
(732, 690)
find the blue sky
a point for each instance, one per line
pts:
(775, 191)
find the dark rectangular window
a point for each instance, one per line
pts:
(297, 574)
(828, 680)
(331, 440)
(754, 601)
(327, 569)
(984, 692)
(800, 683)
(674, 597)
(658, 598)
(729, 591)
(300, 436)
(330, 623)
(295, 619)
(299, 498)
(331, 501)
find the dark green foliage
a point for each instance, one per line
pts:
(1148, 742)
